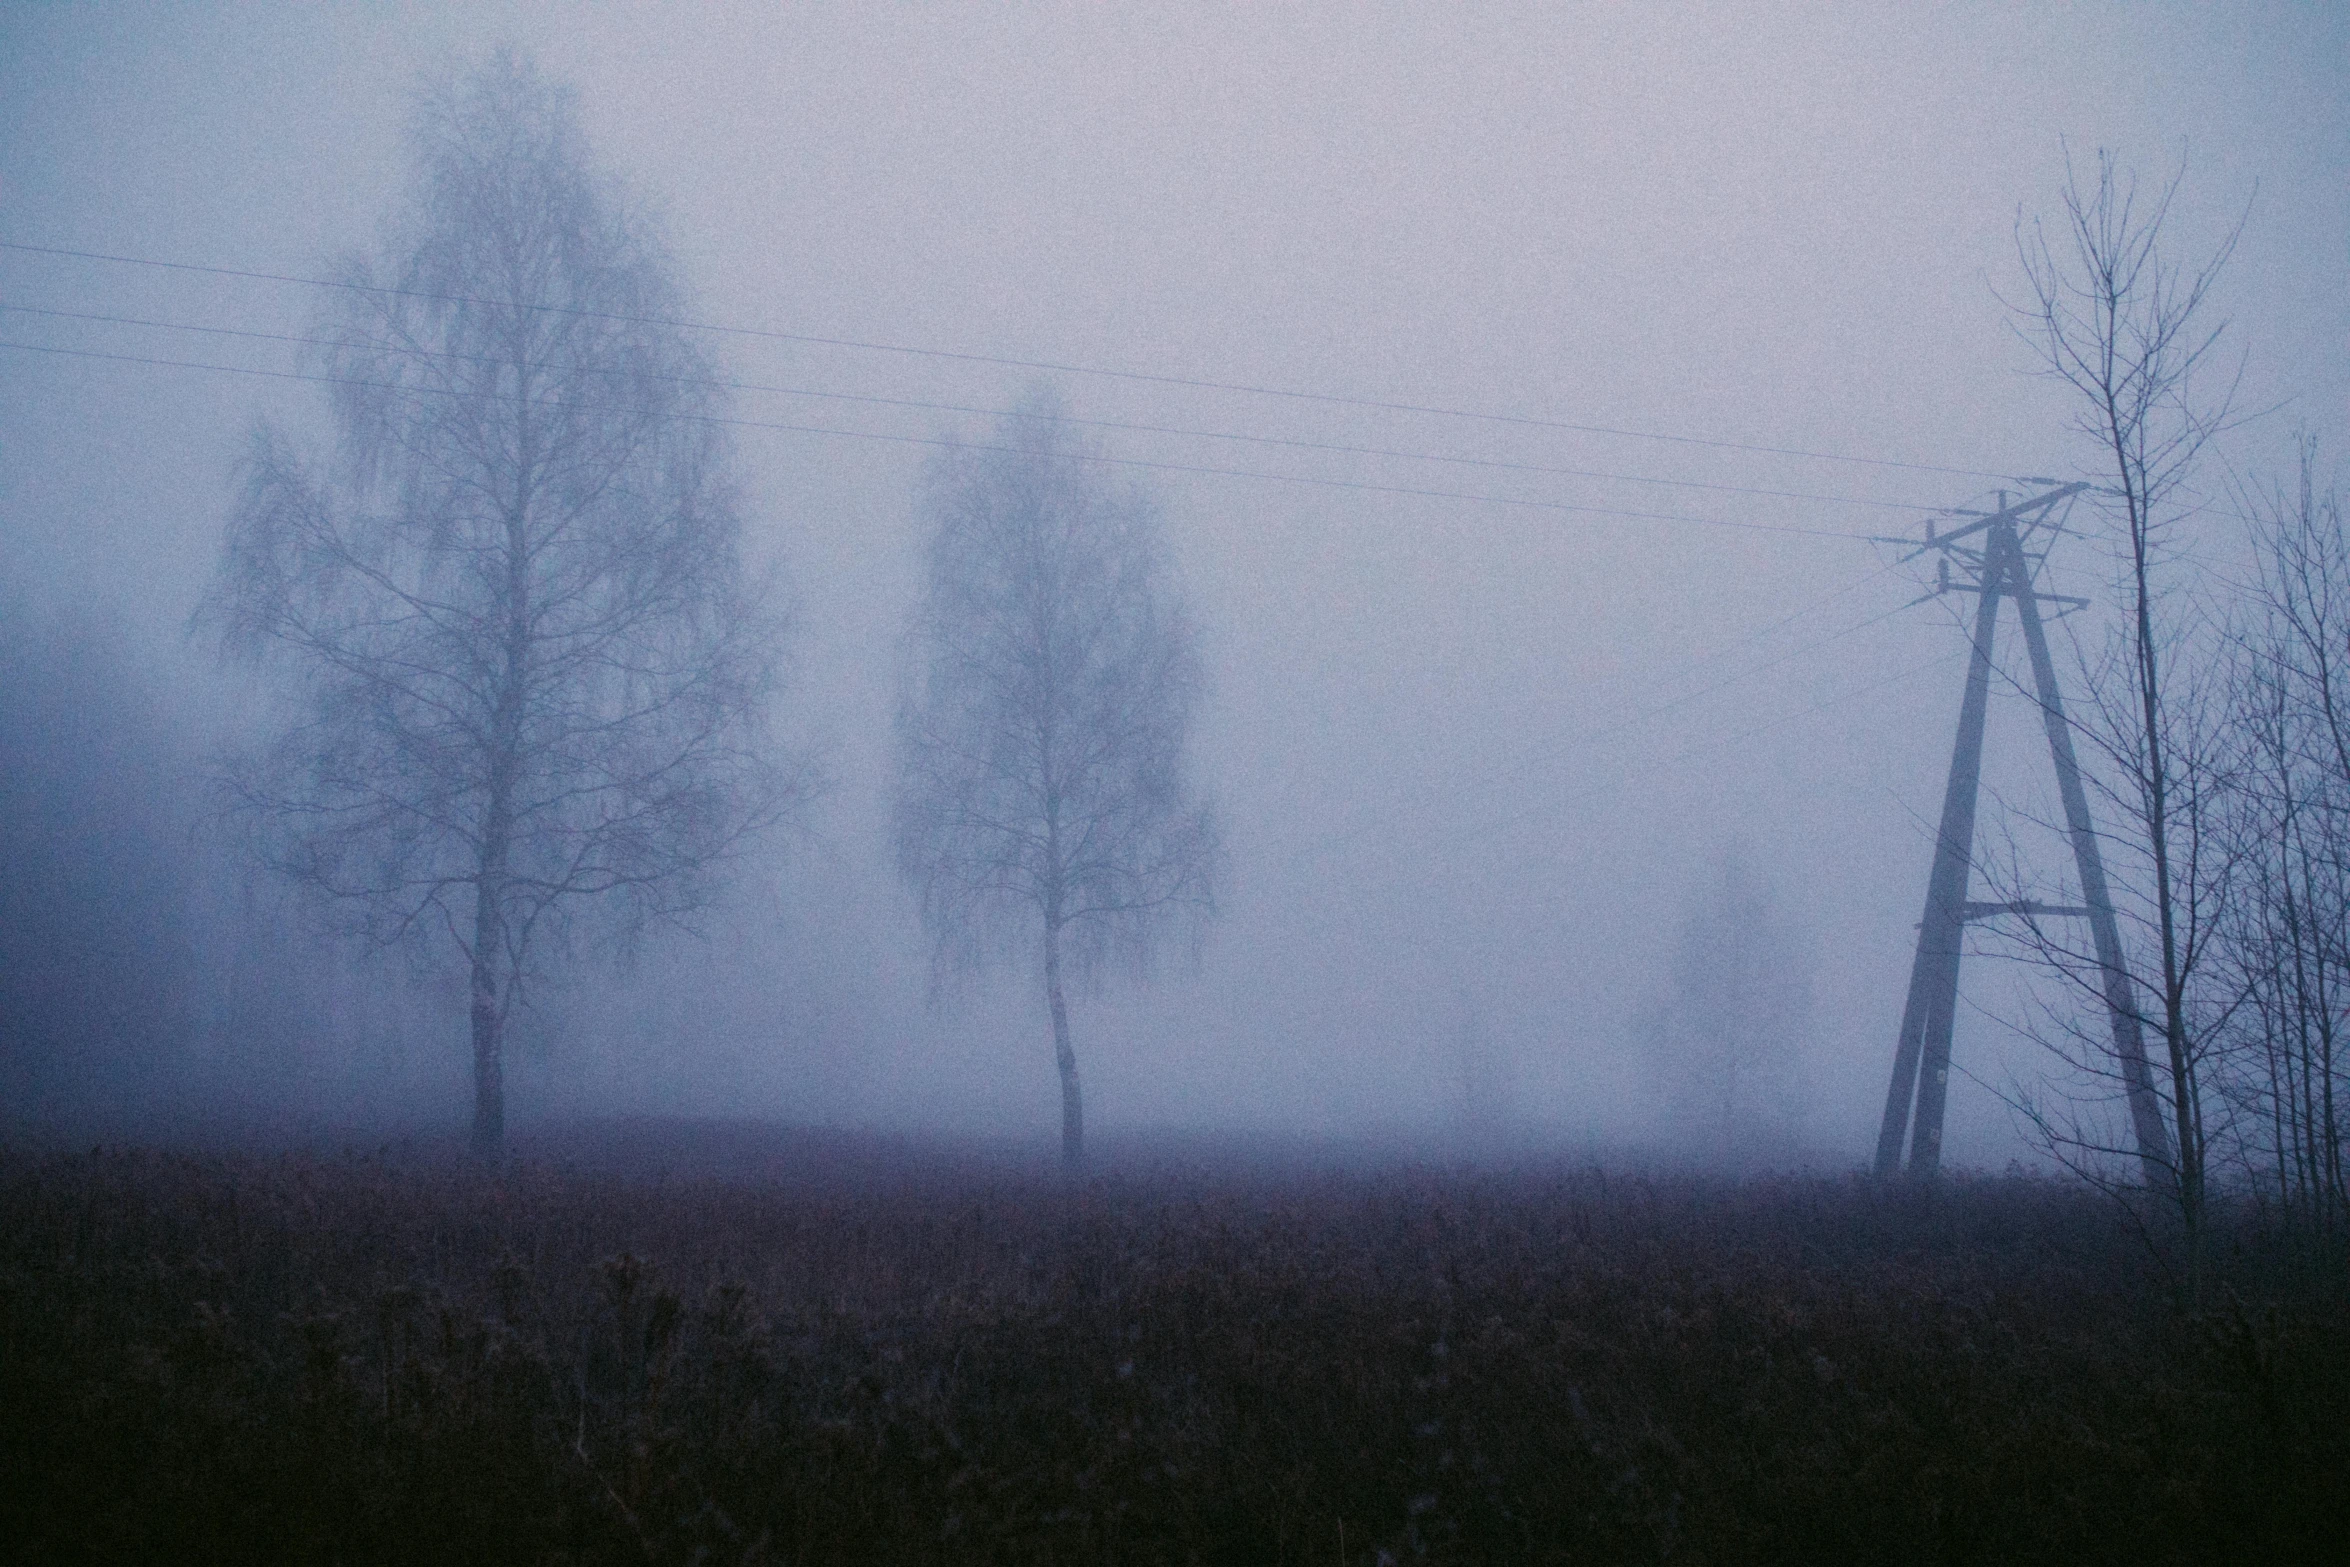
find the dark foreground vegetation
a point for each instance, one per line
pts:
(696, 1345)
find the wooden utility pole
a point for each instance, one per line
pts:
(1990, 556)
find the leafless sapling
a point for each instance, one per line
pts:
(2288, 934)
(2131, 333)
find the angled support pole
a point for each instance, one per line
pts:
(2155, 1159)
(1921, 1058)
(1933, 973)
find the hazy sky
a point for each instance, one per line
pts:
(1473, 757)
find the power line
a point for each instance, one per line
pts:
(1756, 635)
(1805, 608)
(1744, 674)
(1195, 383)
(1649, 714)
(1939, 661)
(1634, 721)
(1357, 485)
(1490, 825)
(1015, 413)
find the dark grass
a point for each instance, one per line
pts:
(725, 1344)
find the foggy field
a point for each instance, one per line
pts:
(1188, 783)
(693, 1341)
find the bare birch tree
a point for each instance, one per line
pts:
(531, 677)
(1044, 807)
(2130, 332)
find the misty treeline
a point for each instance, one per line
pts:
(523, 683)
(147, 967)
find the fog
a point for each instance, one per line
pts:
(1621, 330)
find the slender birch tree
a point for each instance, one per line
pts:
(1044, 807)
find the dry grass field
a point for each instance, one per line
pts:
(712, 1344)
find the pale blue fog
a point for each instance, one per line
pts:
(1525, 394)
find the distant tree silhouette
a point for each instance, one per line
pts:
(1724, 1037)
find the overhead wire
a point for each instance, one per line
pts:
(1554, 803)
(1355, 485)
(1956, 619)
(1637, 719)
(1122, 426)
(1525, 813)
(1611, 731)
(1654, 711)
(1941, 660)
(1647, 714)
(960, 356)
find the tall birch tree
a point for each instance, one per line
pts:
(528, 675)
